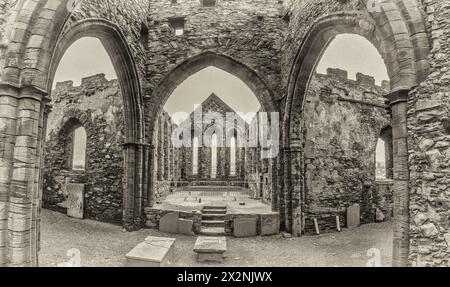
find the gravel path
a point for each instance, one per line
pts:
(105, 245)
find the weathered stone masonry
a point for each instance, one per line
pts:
(429, 148)
(400, 35)
(343, 121)
(97, 106)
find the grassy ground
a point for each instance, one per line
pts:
(103, 244)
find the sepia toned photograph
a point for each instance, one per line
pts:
(224, 134)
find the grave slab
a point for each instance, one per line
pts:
(185, 226)
(244, 227)
(153, 252)
(210, 248)
(354, 216)
(169, 223)
(270, 224)
(75, 200)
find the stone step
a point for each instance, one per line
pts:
(213, 223)
(213, 216)
(214, 211)
(212, 231)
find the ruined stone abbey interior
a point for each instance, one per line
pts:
(345, 150)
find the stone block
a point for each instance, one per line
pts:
(270, 224)
(429, 230)
(210, 248)
(244, 227)
(185, 226)
(169, 223)
(153, 252)
(75, 200)
(354, 216)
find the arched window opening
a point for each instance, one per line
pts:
(214, 156)
(195, 156)
(233, 157)
(384, 155)
(79, 143)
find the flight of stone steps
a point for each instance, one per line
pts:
(213, 220)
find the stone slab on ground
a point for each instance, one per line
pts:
(169, 223)
(270, 224)
(210, 248)
(150, 253)
(245, 227)
(75, 200)
(185, 226)
(354, 216)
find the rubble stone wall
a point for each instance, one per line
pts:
(429, 148)
(343, 122)
(97, 106)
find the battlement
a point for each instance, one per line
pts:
(87, 83)
(361, 79)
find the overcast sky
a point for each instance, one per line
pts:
(353, 53)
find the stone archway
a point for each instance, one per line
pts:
(403, 59)
(116, 47)
(194, 64)
(36, 38)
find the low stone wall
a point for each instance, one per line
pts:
(326, 220)
(154, 215)
(266, 224)
(260, 221)
(376, 206)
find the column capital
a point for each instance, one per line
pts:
(398, 96)
(26, 92)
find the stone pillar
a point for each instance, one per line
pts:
(149, 154)
(275, 184)
(224, 152)
(129, 181)
(241, 163)
(389, 160)
(134, 183)
(166, 155)
(293, 188)
(160, 172)
(47, 111)
(37, 200)
(398, 104)
(25, 177)
(8, 122)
